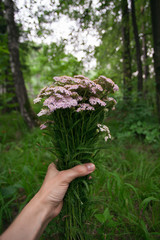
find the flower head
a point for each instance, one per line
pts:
(84, 107)
(36, 100)
(42, 126)
(43, 112)
(78, 93)
(107, 84)
(94, 101)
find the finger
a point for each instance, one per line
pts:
(77, 171)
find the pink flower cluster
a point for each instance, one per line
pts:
(78, 82)
(84, 106)
(78, 93)
(45, 125)
(107, 83)
(64, 102)
(95, 101)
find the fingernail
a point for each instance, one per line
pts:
(90, 167)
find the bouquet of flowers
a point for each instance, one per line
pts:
(74, 110)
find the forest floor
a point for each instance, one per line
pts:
(126, 191)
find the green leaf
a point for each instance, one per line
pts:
(146, 201)
(100, 218)
(86, 185)
(106, 213)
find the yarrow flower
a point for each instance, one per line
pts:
(45, 125)
(115, 88)
(64, 102)
(42, 126)
(111, 99)
(78, 94)
(85, 106)
(107, 83)
(36, 100)
(104, 128)
(94, 101)
(43, 112)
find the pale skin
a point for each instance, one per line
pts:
(46, 204)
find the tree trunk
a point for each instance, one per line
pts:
(126, 51)
(21, 93)
(2, 22)
(144, 46)
(144, 54)
(155, 8)
(138, 49)
(145, 57)
(9, 100)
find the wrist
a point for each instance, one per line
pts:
(31, 222)
(47, 212)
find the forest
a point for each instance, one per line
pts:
(118, 39)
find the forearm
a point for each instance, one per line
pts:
(30, 223)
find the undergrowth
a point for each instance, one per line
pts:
(126, 189)
(137, 120)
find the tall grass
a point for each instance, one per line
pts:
(126, 189)
(23, 163)
(128, 174)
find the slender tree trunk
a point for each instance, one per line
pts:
(138, 49)
(21, 93)
(2, 22)
(144, 54)
(155, 14)
(126, 51)
(145, 59)
(2, 32)
(144, 47)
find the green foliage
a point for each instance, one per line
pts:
(127, 173)
(109, 53)
(140, 121)
(105, 216)
(22, 165)
(49, 61)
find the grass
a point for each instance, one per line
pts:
(130, 191)
(126, 193)
(23, 165)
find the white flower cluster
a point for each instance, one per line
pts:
(104, 128)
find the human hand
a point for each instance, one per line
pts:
(56, 184)
(46, 204)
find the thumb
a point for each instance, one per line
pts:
(78, 171)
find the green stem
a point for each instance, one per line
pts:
(82, 128)
(66, 136)
(73, 138)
